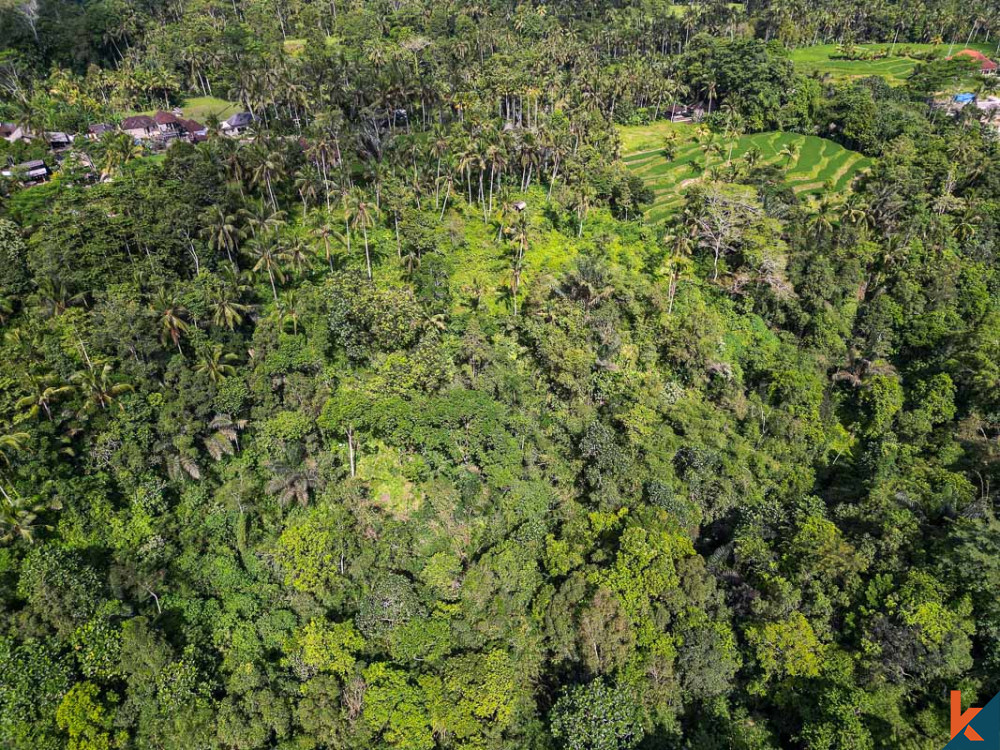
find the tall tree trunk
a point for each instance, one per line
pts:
(368, 258)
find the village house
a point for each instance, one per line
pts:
(168, 125)
(194, 130)
(986, 66)
(237, 123)
(28, 173)
(13, 133)
(94, 132)
(140, 127)
(58, 141)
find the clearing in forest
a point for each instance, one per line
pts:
(200, 107)
(813, 164)
(895, 66)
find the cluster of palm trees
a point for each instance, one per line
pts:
(479, 159)
(96, 387)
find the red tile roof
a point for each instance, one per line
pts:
(166, 118)
(191, 126)
(985, 62)
(139, 121)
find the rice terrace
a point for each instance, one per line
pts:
(894, 62)
(813, 164)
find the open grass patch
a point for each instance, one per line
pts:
(200, 107)
(895, 68)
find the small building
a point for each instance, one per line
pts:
(194, 130)
(679, 113)
(520, 206)
(989, 106)
(58, 141)
(140, 127)
(986, 66)
(96, 131)
(29, 172)
(13, 133)
(237, 123)
(962, 100)
(168, 125)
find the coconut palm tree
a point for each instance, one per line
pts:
(711, 87)
(18, 516)
(98, 387)
(268, 169)
(297, 254)
(55, 298)
(119, 150)
(858, 214)
(789, 152)
(821, 222)
(215, 362)
(680, 247)
(287, 310)
(172, 317)
(322, 227)
(12, 442)
(45, 391)
(363, 215)
(518, 234)
(752, 157)
(268, 257)
(227, 312)
(221, 231)
(261, 219)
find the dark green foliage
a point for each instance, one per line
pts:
(597, 716)
(391, 424)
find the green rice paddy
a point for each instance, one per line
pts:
(895, 68)
(819, 163)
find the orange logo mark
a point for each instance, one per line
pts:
(960, 721)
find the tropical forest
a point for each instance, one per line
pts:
(498, 375)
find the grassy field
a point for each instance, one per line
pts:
(895, 69)
(819, 162)
(200, 107)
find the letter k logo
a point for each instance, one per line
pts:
(960, 721)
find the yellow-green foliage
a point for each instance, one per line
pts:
(785, 649)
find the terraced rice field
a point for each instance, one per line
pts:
(817, 163)
(895, 69)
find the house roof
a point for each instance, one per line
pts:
(240, 120)
(99, 128)
(985, 62)
(192, 126)
(34, 168)
(166, 118)
(6, 128)
(139, 121)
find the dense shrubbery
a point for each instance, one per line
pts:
(333, 443)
